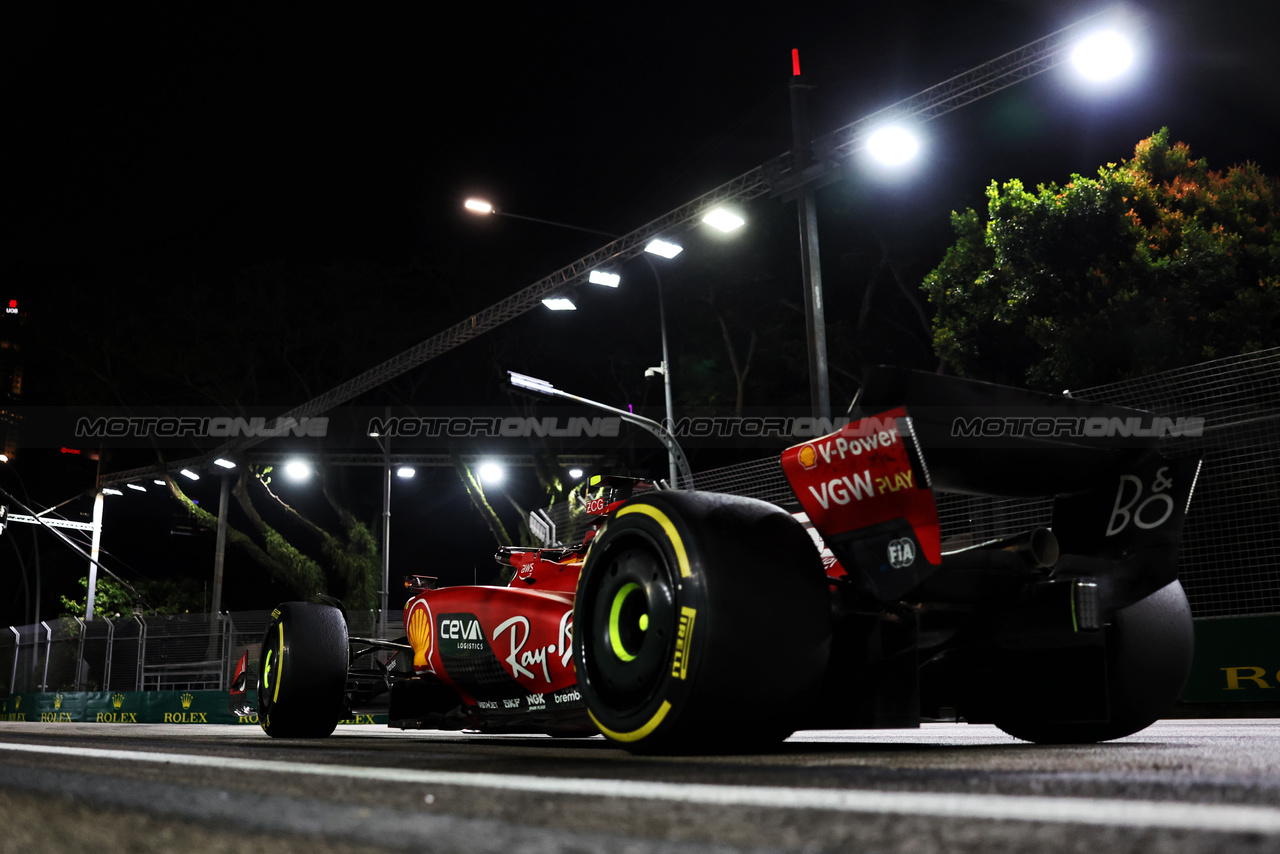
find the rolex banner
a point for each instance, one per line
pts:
(132, 707)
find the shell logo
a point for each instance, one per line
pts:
(808, 457)
(419, 629)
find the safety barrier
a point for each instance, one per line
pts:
(184, 652)
(132, 707)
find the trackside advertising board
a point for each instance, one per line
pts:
(1237, 660)
(132, 707)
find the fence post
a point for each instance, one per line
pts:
(106, 663)
(80, 662)
(224, 647)
(142, 652)
(229, 634)
(17, 653)
(48, 651)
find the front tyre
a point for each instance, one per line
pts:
(702, 621)
(303, 671)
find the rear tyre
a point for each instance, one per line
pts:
(702, 622)
(1149, 649)
(303, 671)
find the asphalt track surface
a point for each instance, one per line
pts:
(1179, 786)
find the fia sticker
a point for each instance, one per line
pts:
(902, 553)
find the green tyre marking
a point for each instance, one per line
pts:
(615, 613)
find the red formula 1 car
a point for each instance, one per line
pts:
(704, 621)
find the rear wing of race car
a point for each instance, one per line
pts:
(1119, 504)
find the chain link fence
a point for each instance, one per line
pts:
(185, 652)
(1229, 565)
(1230, 556)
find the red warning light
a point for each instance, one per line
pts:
(13, 303)
(795, 62)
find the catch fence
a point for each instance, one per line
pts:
(185, 652)
(1229, 564)
(1230, 554)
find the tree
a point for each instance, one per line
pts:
(114, 600)
(1156, 263)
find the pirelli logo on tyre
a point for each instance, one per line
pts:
(684, 640)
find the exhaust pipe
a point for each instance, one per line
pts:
(1035, 549)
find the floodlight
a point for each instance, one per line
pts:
(479, 206)
(663, 248)
(1103, 55)
(893, 145)
(297, 469)
(600, 277)
(575, 473)
(106, 490)
(559, 304)
(406, 471)
(136, 487)
(724, 220)
(159, 482)
(224, 463)
(189, 474)
(491, 473)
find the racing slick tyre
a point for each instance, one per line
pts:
(1149, 648)
(702, 622)
(303, 667)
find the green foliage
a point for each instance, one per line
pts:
(1156, 263)
(113, 600)
(357, 562)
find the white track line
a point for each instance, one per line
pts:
(1091, 811)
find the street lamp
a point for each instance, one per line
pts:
(665, 250)
(1098, 56)
(664, 435)
(720, 218)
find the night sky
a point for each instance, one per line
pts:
(155, 148)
